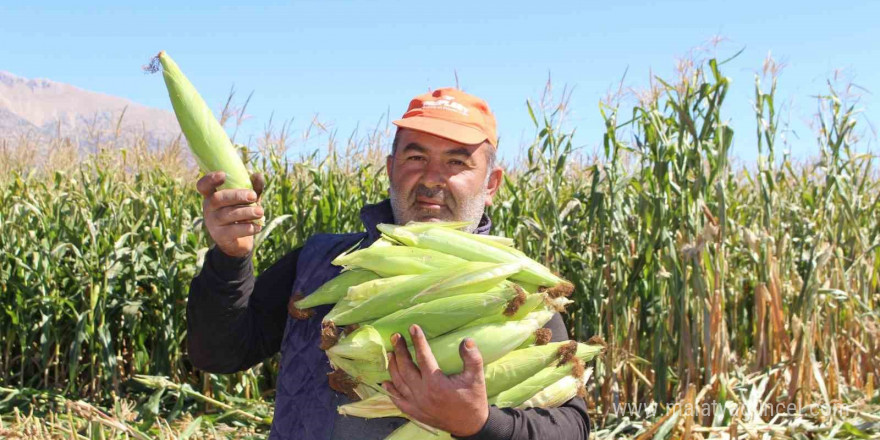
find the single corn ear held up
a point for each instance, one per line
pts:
(205, 136)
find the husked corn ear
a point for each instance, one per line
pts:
(332, 291)
(460, 279)
(370, 288)
(463, 245)
(389, 261)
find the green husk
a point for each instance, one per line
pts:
(557, 393)
(460, 279)
(531, 304)
(341, 307)
(441, 316)
(412, 431)
(517, 394)
(493, 341)
(335, 289)
(361, 358)
(464, 246)
(375, 406)
(389, 261)
(208, 141)
(519, 365)
(369, 289)
(553, 395)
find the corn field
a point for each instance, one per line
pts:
(735, 301)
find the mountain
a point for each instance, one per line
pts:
(44, 108)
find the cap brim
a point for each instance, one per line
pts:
(445, 129)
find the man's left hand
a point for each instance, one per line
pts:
(456, 404)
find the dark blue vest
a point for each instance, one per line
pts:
(305, 405)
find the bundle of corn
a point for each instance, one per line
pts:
(454, 285)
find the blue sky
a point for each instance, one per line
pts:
(350, 62)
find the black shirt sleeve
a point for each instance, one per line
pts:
(568, 422)
(235, 320)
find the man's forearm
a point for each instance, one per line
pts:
(568, 422)
(235, 320)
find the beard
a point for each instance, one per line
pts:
(464, 208)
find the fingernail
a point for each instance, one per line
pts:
(394, 338)
(252, 196)
(414, 330)
(258, 211)
(469, 343)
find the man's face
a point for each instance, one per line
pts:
(435, 179)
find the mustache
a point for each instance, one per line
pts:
(435, 194)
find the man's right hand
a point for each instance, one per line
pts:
(229, 213)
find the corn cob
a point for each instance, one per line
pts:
(375, 406)
(389, 261)
(361, 358)
(443, 315)
(206, 138)
(493, 340)
(455, 280)
(553, 396)
(519, 365)
(558, 393)
(335, 289)
(463, 246)
(361, 292)
(517, 394)
(528, 304)
(509, 371)
(495, 240)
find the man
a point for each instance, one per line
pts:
(441, 167)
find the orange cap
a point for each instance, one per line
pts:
(451, 114)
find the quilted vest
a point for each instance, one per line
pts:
(305, 405)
